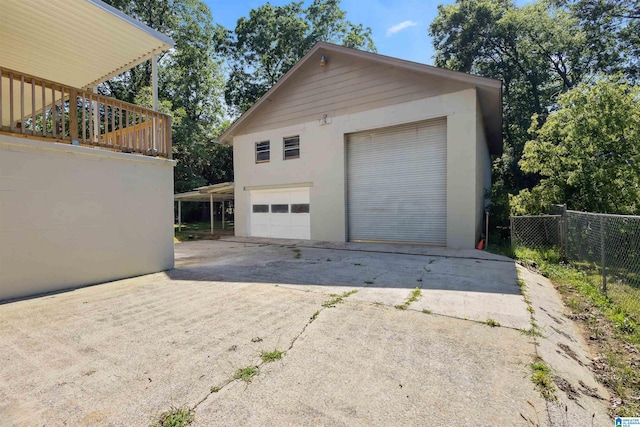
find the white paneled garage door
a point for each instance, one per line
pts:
(281, 213)
(396, 183)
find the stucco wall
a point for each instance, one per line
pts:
(483, 172)
(322, 164)
(74, 216)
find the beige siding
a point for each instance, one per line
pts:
(75, 216)
(344, 86)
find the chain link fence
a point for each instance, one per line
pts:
(606, 247)
(536, 231)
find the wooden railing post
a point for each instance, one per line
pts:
(73, 116)
(80, 116)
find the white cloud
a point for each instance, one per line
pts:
(401, 26)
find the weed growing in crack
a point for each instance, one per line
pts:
(297, 253)
(215, 389)
(369, 282)
(175, 417)
(271, 356)
(246, 374)
(493, 323)
(314, 316)
(541, 377)
(413, 297)
(338, 298)
(426, 311)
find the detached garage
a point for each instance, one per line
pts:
(363, 147)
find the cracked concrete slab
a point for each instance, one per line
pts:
(120, 353)
(581, 399)
(360, 364)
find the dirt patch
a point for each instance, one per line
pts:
(565, 386)
(589, 391)
(564, 334)
(569, 352)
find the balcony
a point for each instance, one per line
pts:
(33, 107)
(48, 74)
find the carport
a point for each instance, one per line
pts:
(211, 193)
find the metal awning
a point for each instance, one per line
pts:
(217, 192)
(79, 43)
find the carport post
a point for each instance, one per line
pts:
(223, 214)
(211, 210)
(179, 215)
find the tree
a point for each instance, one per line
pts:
(190, 87)
(264, 46)
(587, 153)
(539, 51)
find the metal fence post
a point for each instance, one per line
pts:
(511, 230)
(602, 257)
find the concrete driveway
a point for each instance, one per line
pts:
(121, 353)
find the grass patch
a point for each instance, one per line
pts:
(583, 291)
(493, 323)
(176, 417)
(613, 324)
(246, 374)
(541, 378)
(198, 230)
(271, 356)
(338, 298)
(413, 297)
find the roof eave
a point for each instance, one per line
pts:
(492, 84)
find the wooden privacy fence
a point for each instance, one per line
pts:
(37, 108)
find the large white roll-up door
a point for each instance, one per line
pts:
(396, 183)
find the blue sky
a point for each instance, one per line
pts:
(399, 26)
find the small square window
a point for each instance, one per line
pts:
(279, 208)
(291, 146)
(263, 151)
(260, 208)
(300, 208)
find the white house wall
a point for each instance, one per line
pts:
(75, 216)
(321, 165)
(483, 172)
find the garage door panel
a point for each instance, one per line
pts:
(397, 183)
(280, 221)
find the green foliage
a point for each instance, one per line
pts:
(246, 374)
(541, 377)
(539, 50)
(190, 87)
(264, 46)
(177, 417)
(623, 315)
(587, 153)
(271, 356)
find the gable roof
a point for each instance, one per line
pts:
(489, 90)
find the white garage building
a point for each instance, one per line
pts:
(355, 146)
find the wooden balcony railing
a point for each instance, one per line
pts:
(37, 108)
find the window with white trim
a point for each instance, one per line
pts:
(291, 147)
(263, 151)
